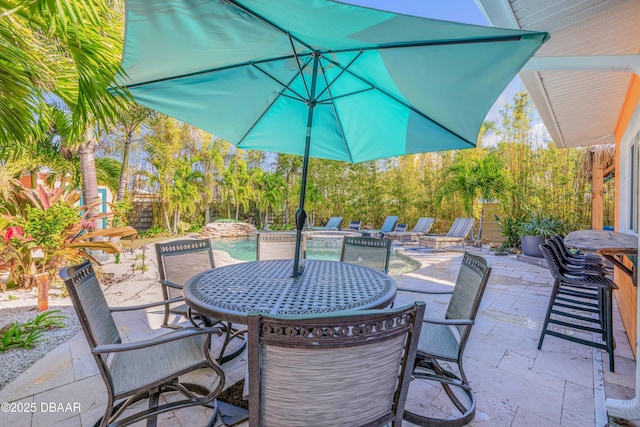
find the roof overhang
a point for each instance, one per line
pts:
(579, 79)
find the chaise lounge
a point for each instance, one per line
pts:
(421, 228)
(458, 233)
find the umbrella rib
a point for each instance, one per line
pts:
(268, 22)
(400, 45)
(281, 93)
(300, 68)
(401, 102)
(284, 86)
(339, 74)
(210, 70)
(335, 112)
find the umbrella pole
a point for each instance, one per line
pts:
(301, 215)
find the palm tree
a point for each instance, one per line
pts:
(480, 174)
(66, 49)
(272, 189)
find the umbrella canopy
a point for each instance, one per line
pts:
(319, 78)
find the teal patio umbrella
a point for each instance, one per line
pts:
(319, 78)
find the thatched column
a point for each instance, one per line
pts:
(598, 161)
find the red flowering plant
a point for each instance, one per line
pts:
(44, 231)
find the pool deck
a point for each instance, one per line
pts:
(515, 383)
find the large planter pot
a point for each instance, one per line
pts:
(530, 245)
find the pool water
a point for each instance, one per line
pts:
(244, 248)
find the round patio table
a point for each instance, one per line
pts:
(231, 292)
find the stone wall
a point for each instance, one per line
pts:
(227, 229)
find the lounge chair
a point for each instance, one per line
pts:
(355, 225)
(332, 224)
(460, 229)
(400, 228)
(421, 228)
(387, 226)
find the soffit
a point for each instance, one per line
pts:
(577, 107)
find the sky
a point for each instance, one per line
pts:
(466, 11)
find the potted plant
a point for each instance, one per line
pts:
(510, 230)
(535, 229)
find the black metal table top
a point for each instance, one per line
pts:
(229, 293)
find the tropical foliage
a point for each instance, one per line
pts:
(59, 57)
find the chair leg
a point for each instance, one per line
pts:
(229, 336)
(545, 325)
(430, 370)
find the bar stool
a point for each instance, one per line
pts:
(575, 299)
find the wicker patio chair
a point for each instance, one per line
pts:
(458, 233)
(367, 251)
(332, 369)
(575, 300)
(444, 340)
(274, 245)
(421, 228)
(140, 370)
(178, 261)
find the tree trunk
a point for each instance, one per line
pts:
(207, 213)
(124, 176)
(166, 215)
(88, 169)
(481, 222)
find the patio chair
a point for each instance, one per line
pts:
(444, 340)
(271, 246)
(367, 251)
(387, 226)
(178, 261)
(354, 225)
(458, 233)
(421, 228)
(332, 224)
(579, 303)
(140, 370)
(331, 369)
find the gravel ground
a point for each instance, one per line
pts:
(15, 361)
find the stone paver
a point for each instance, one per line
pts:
(515, 383)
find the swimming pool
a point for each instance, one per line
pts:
(244, 248)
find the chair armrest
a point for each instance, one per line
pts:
(143, 306)
(171, 284)
(420, 291)
(454, 322)
(162, 339)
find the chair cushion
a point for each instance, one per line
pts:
(438, 340)
(133, 369)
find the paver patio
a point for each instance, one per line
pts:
(515, 383)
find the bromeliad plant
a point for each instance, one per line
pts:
(50, 224)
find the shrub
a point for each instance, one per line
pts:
(26, 335)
